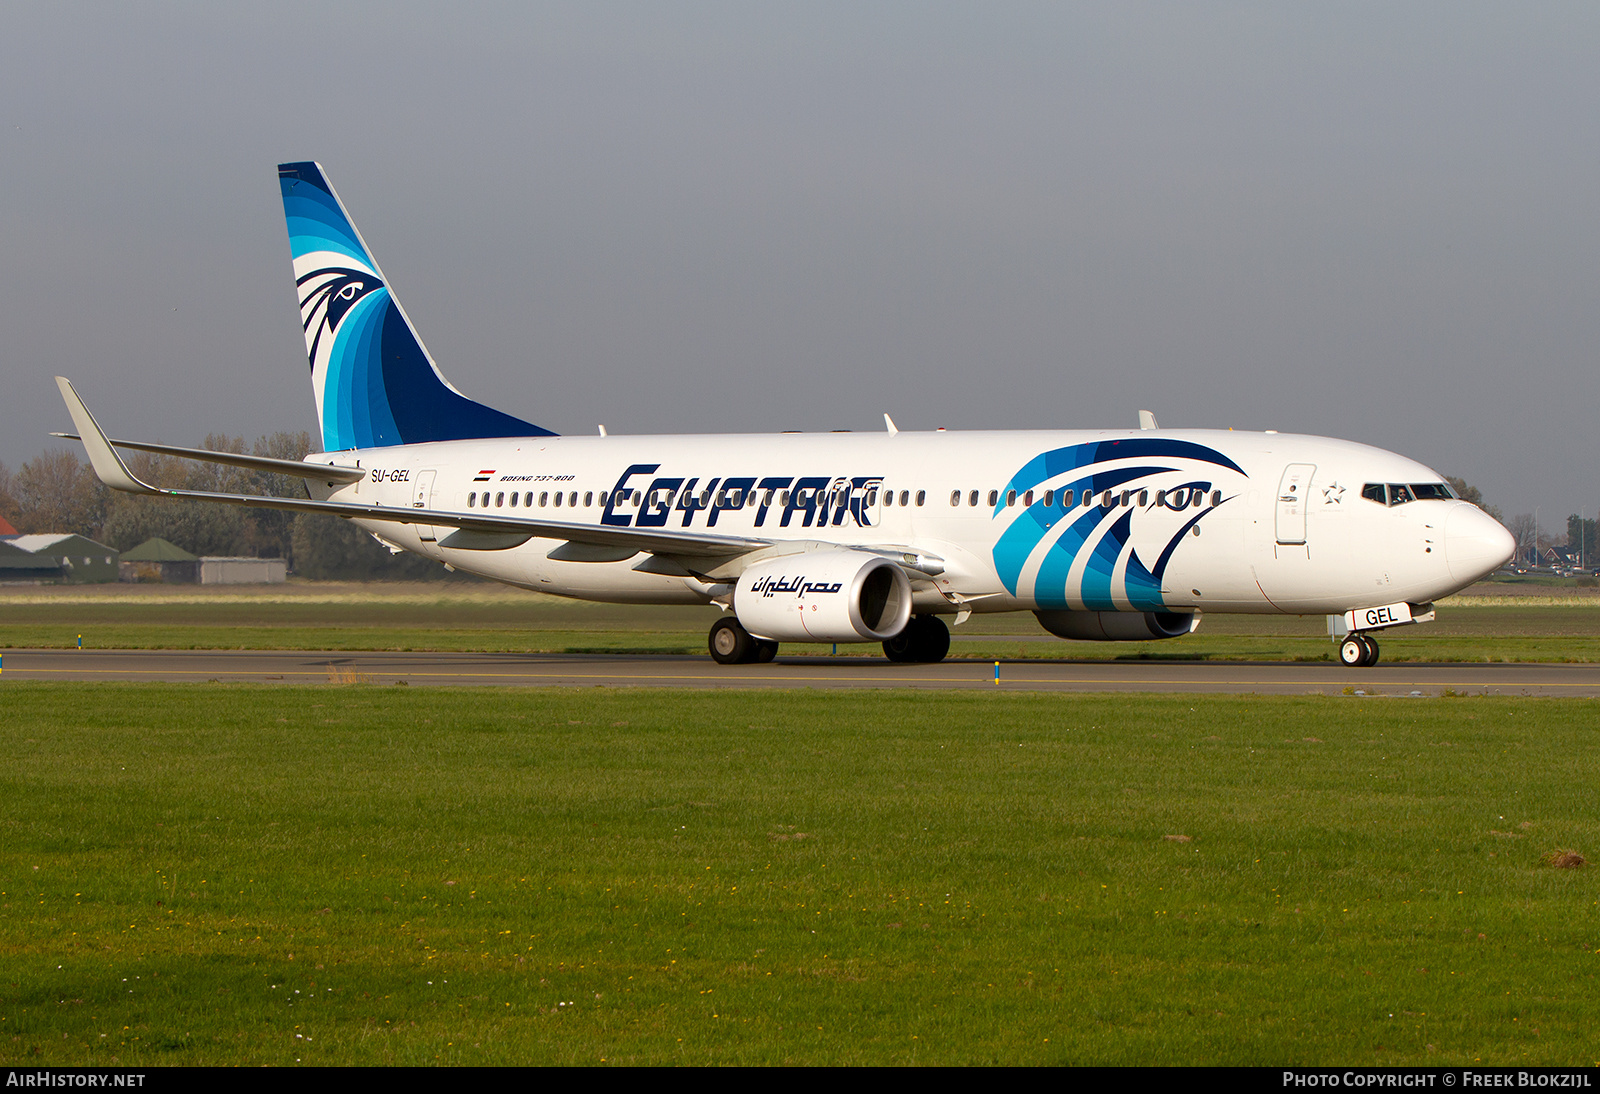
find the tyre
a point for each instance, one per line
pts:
(730, 643)
(1372, 650)
(1353, 652)
(932, 639)
(903, 646)
(765, 651)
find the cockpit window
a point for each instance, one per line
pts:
(1398, 493)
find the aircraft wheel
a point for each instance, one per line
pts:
(765, 651)
(1353, 652)
(926, 640)
(900, 647)
(1372, 651)
(933, 639)
(730, 643)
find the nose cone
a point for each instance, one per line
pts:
(1475, 544)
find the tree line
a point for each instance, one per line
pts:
(57, 492)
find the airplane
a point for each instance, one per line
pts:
(842, 537)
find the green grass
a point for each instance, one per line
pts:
(229, 874)
(492, 618)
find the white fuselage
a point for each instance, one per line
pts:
(1179, 520)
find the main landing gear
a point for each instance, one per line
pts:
(731, 644)
(925, 639)
(1359, 651)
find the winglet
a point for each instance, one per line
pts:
(102, 457)
(888, 424)
(1147, 420)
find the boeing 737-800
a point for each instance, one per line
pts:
(843, 537)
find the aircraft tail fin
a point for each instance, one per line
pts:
(375, 383)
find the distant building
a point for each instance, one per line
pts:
(79, 560)
(216, 570)
(158, 560)
(19, 567)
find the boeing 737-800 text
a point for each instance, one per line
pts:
(843, 537)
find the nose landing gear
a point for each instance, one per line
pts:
(1359, 651)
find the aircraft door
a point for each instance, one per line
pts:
(1291, 515)
(422, 498)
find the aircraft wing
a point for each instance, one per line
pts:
(329, 472)
(475, 531)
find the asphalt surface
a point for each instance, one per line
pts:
(627, 670)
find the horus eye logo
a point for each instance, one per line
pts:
(326, 295)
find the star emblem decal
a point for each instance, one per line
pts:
(1332, 494)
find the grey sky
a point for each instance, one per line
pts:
(1379, 222)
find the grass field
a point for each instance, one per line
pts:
(493, 618)
(212, 874)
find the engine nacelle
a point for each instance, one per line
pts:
(1118, 626)
(824, 596)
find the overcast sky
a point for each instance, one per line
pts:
(1378, 222)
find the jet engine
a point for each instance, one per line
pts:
(1117, 626)
(824, 596)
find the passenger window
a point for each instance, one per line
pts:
(783, 498)
(499, 500)
(1216, 498)
(972, 498)
(955, 498)
(471, 498)
(1049, 498)
(922, 496)
(513, 499)
(544, 499)
(1027, 499)
(1144, 498)
(588, 498)
(994, 497)
(1066, 499)
(1108, 499)
(1011, 498)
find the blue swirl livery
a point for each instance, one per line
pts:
(376, 384)
(1083, 555)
